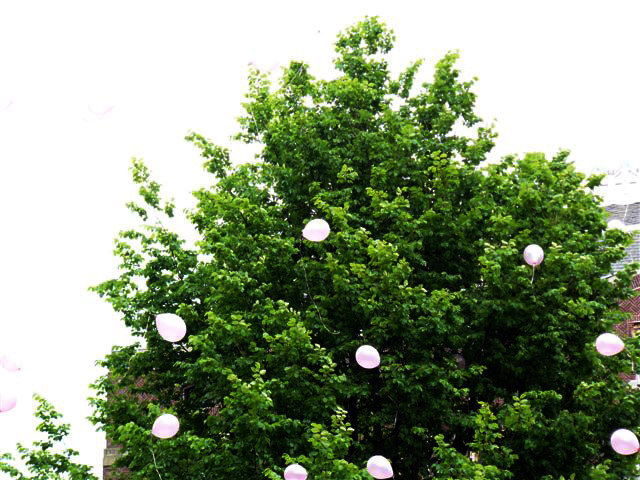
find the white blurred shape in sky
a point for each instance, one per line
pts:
(5, 103)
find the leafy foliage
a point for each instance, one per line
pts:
(44, 461)
(487, 371)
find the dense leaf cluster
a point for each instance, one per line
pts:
(487, 371)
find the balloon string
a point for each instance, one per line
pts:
(533, 274)
(384, 385)
(306, 281)
(154, 463)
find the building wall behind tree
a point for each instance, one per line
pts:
(621, 183)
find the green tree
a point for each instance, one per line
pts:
(487, 371)
(45, 460)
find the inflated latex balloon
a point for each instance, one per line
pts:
(367, 357)
(9, 363)
(609, 344)
(8, 401)
(624, 442)
(379, 467)
(295, 472)
(615, 223)
(316, 230)
(171, 327)
(165, 426)
(100, 109)
(533, 255)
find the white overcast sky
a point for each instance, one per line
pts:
(553, 74)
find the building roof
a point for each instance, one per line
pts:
(629, 215)
(621, 185)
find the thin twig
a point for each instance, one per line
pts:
(295, 75)
(154, 463)
(306, 281)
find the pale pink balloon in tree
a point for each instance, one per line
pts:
(316, 230)
(171, 327)
(379, 467)
(295, 472)
(165, 426)
(624, 442)
(8, 400)
(533, 255)
(609, 344)
(367, 357)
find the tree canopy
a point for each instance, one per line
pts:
(488, 369)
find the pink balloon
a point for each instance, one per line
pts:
(624, 442)
(8, 401)
(533, 255)
(165, 426)
(100, 110)
(171, 327)
(8, 363)
(379, 467)
(609, 344)
(295, 472)
(367, 357)
(316, 230)
(460, 360)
